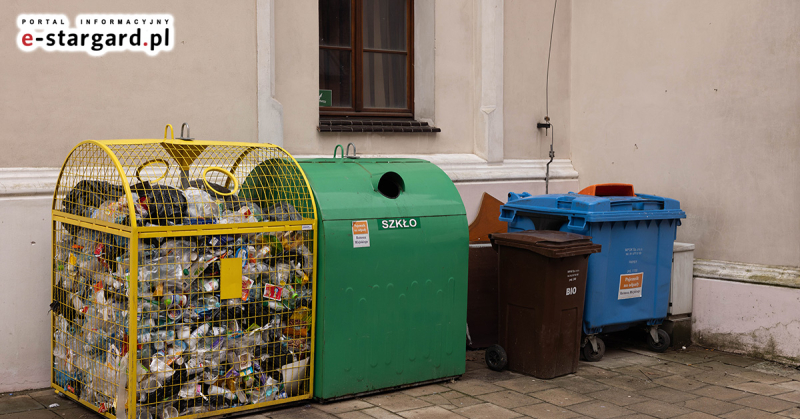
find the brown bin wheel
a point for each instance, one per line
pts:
(496, 358)
(663, 341)
(590, 355)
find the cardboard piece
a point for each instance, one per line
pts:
(487, 221)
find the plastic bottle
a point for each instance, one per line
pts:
(184, 332)
(146, 352)
(194, 365)
(92, 318)
(219, 391)
(144, 412)
(66, 282)
(197, 267)
(267, 392)
(168, 267)
(110, 211)
(77, 303)
(210, 284)
(280, 274)
(200, 205)
(105, 379)
(148, 385)
(196, 335)
(169, 412)
(146, 280)
(182, 251)
(162, 337)
(161, 371)
(171, 299)
(245, 214)
(252, 270)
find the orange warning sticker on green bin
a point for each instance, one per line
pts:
(360, 233)
(630, 285)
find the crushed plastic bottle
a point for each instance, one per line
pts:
(200, 206)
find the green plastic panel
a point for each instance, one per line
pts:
(275, 180)
(392, 313)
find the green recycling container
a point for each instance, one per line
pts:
(391, 275)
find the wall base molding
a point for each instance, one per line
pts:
(461, 168)
(778, 276)
(27, 181)
(466, 168)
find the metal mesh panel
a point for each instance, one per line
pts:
(211, 245)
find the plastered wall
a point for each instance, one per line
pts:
(747, 318)
(49, 101)
(697, 101)
(527, 34)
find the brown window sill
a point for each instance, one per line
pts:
(374, 125)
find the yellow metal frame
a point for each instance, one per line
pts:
(133, 233)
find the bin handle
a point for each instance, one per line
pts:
(187, 136)
(169, 127)
(348, 151)
(148, 163)
(577, 223)
(338, 147)
(507, 215)
(226, 173)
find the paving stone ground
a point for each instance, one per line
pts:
(629, 382)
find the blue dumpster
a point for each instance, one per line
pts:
(628, 282)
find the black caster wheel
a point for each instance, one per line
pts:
(590, 355)
(496, 358)
(663, 341)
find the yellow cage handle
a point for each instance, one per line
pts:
(148, 163)
(169, 127)
(226, 173)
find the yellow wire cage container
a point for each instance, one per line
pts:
(183, 278)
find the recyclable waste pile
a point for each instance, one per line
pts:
(195, 352)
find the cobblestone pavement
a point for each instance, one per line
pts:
(629, 382)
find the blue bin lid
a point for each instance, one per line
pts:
(593, 208)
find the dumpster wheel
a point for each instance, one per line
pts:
(496, 358)
(663, 341)
(589, 353)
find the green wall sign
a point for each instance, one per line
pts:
(398, 223)
(325, 97)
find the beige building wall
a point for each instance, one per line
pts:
(527, 33)
(49, 101)
(697, 101)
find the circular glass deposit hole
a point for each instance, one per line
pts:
(391, 185)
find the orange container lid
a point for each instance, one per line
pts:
(608, 189)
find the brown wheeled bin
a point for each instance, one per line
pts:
(541, 287)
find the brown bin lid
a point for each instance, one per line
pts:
(554, 244)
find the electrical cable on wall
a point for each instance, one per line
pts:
(547, 124)
(549, 50)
